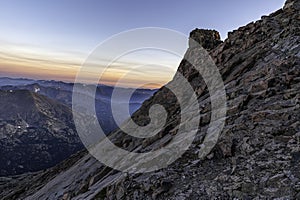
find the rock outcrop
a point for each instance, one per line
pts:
(208, 39)
(257, 155)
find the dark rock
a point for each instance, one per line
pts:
(257, 155)
(208, 39)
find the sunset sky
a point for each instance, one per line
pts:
(50, 39)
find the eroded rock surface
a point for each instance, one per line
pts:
(257, 155)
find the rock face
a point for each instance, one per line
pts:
(257, 155)
(208, 39)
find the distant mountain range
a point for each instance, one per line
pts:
(36, 122)
(62, 92)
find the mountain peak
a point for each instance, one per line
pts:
(29, 106)
(256, 156)
(208, 39)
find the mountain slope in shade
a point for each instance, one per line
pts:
(258, 153)
(35, 132)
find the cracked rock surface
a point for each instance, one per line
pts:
(257, 155)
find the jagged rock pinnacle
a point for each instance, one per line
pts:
(257, 155)
(208, 39)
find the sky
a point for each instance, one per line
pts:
(50, 39)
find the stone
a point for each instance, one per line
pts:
(256, 156)
(208, 39)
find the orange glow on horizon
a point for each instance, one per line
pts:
(36, 65)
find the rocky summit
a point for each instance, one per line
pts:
(258, 153)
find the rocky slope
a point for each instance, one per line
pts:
(256, 157)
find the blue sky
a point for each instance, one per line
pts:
(70, 29)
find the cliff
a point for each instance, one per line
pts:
(258, 152)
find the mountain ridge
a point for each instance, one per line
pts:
(257, 154)
(35, 132)
(24, 102)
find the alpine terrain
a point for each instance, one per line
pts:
(257, 154)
